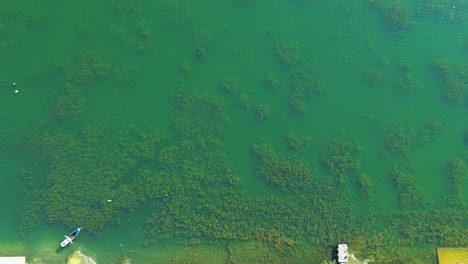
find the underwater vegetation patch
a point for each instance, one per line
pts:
(84, 171)
(454, 80)
(410, 194)
(341, 156)
(199, 115)
(280, 171)
(397, 14)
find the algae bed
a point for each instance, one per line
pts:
(234, 131)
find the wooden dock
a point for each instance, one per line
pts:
(13, 260)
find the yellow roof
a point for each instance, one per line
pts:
(453, 255)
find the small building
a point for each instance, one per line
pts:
(342, 253)
(13, 260)
(452, 255)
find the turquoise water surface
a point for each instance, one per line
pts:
(233, 131)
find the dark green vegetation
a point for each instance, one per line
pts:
(305, 81)
(280, 171)
(408, 191)
(245, 100)
(365, 186)
(288, 52)
(303, 76)
(85, 170)
(262, 112)
(456, 175)
(271, 81)
(83, 74)
(199, 118)
(194, 193)
(397, 14)
(297, 143)
(229, 85)
(454, 80)
(341, 157)
(398, 140)
(407, 83)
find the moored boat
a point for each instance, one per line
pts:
(69, 239)
(342, 253)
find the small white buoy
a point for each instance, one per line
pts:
(121, 245)
(14, 84)
(109, 200)
(16, 91)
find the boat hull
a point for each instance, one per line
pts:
(69, 239)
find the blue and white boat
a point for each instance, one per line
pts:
(69, 239)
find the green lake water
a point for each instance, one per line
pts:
(233, 131)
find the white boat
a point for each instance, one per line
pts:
(342, 253)
(69, 239)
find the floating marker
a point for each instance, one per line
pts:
(16, 91)
(109, 200)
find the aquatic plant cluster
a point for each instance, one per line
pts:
(407, 83)
(409, 192)
(365, 186)
(297, 143)
(195, 194)
(99, 161)
(398, 140)
(89, 67)
(282, 172)
(193, 189)
(397, 14)
(454, 80)
(303, 75)
(456, 174)
(342, 157)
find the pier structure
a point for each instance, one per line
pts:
(13, 260)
